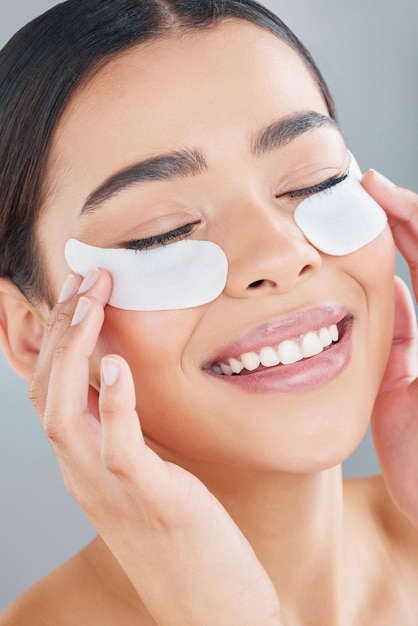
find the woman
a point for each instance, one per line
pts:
(152, 123)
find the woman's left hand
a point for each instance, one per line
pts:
(395, 415)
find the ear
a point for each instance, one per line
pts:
(21, 329)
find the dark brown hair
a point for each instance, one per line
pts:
(41, 67)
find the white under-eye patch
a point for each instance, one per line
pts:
(179, 275)
(342, 219)
(190, 273)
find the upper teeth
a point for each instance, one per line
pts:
(287, 352)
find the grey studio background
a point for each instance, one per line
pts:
(368, 52)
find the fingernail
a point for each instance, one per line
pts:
(383, 179)
(68, 289)
(89, 280)
(81, 311)
(110, 371)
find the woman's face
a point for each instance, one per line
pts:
(215, 92)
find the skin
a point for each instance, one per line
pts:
(272, 461)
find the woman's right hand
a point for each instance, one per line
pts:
(186, 558)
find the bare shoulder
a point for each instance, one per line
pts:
(34, 606)
(90, 589)
(50, 601)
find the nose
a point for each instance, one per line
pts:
(268, 254)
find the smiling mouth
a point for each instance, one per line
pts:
(287, 352)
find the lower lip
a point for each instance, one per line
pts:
(301, 376)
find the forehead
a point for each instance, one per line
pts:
(210, 87)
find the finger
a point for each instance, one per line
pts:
(122, 438)
(97, 284)
(56, 326)
(402, 364)
(77, 442)
(124, 452)
(401, 206)
(68, 384)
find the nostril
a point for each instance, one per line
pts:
(305, 270)
(255, 284)
(259, 283)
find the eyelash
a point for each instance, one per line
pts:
(162, 239)
(309, 191)
(183, 231)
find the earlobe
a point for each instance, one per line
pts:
(21, 329)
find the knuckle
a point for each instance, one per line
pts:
(35, 392)
(50, 323)
(63, 316)
(54, 430)
(109, 406)
(412, 197)
(79, 495)
(59, 316)
(60, 351)
(117, 463)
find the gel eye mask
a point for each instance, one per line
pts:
(180, 275)
(342, 219)
(190, 273)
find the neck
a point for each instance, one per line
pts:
(294, 522)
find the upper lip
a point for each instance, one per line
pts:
(275, 331)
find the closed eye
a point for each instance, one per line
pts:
(161, 239)
(309, 191)
(183, 232)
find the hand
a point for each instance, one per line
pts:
(395, 416)
(184, 555)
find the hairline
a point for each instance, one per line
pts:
(174, 32)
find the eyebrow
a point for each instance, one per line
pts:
(177, 164)
(284, 131)
(192, 162)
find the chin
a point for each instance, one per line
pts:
(308, 440)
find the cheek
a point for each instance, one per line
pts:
(155, 344)
(373, 268)
(148, 338)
